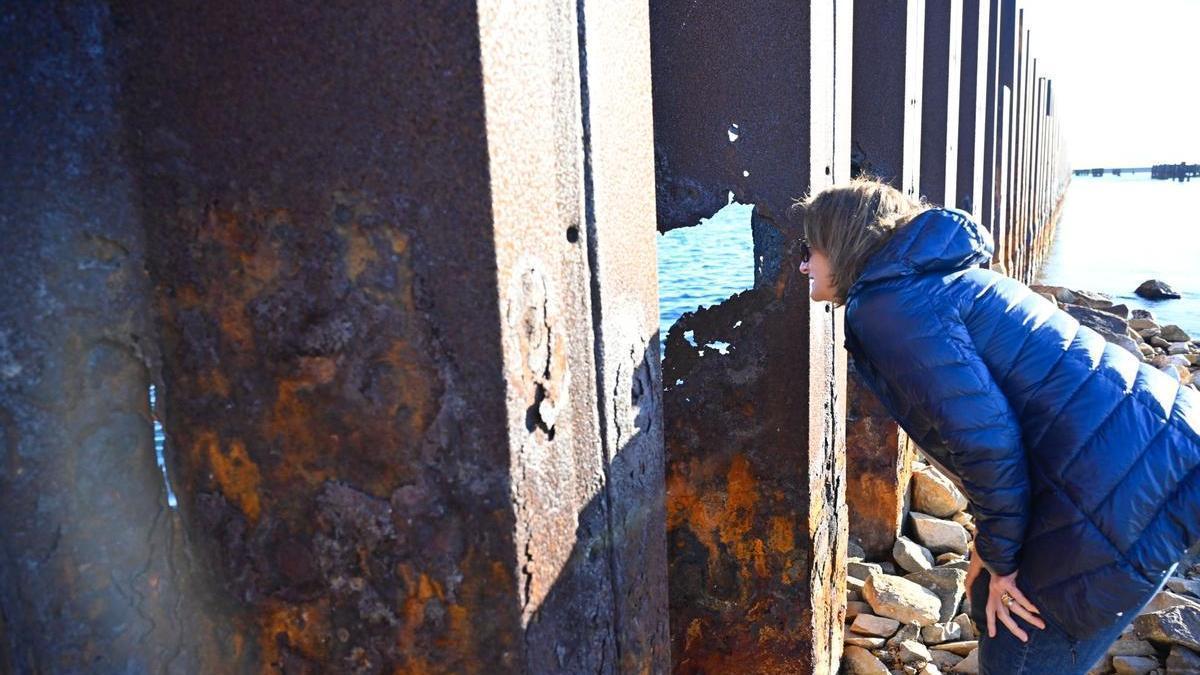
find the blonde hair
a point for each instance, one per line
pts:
(850, 222)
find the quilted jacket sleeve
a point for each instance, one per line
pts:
(925, 363)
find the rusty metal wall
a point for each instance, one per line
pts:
(392, 271)
(991, 120)
(939, 101)
(94, 576)
(622, 241)
(746, 100)
(973, 117)
(887, 83)
(372, 240)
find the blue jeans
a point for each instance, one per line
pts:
(1048, 650)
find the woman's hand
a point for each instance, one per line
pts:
(1019, 605)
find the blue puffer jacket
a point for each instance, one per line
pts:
(1081, 462)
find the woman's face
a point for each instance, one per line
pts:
(820, 277)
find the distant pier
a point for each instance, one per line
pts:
(1180, 172)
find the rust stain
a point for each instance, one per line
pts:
(304, 386)
(302, 628)
(236, 474)
(782, 534)
(742, 497)
(360, 252)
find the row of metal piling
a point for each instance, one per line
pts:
(390, 269)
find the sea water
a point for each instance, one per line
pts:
(1116, 232)
(703, 265)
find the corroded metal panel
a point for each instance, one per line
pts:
(733, 96)
(94, 576)
(746, 561)
(1003, 133)
(622, 241)
(370, 240)
(939, 104)
(878, 468)
(746, 101)
(887, 83)
(991, 114)
(972, 110)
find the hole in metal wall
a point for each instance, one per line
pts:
(704, 264)
(160, 443)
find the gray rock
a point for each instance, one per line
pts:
(865, 642)
(1173, 333)
(1177, 360)
(948, 583)
(1092, 299)
(1096, 320)
(969, 665)
(962, 648)
(910, 555)
(929, 669)
(933, 493)
(861, 570)
(1131, 647)
(1059, 293)
(1121, 310)
(947, 558)
(1182, 660)
(1179, 348)
(939, 535)
(1140, 324)
(941, 632)
(1177, 625)
(1188, 586)
(1153, 289)
(877, 626)
(1133, 665)
(944, 659)
(888, 567)
(1165, 600)
(968, 627)
(1143, 314)
(858, 661)
(908, 631)
(901, 599)
(961, 564)
(911, 651)
(856, 607)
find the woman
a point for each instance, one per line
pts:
(1081, 463)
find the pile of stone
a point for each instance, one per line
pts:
(909, 615)
(1168, 348)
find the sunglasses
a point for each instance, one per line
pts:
(805, 252)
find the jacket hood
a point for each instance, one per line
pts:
(939, 239)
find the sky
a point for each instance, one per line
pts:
(1126, 77)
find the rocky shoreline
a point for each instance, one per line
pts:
(910, 614)
(1166, 347)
